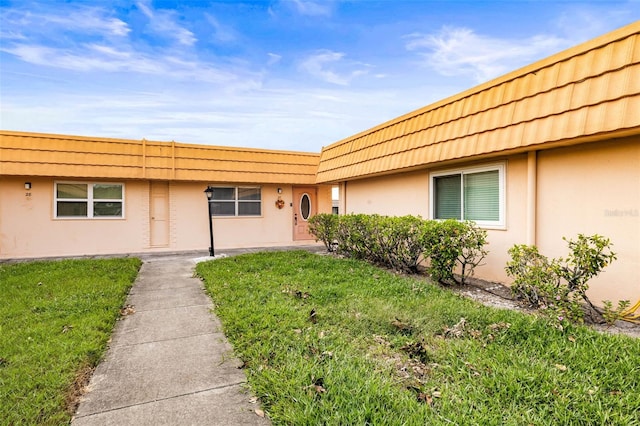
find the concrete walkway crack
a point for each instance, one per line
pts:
(169, 308)
(218, 333)
(231, 385)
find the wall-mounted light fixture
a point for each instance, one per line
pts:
(279, 190)
(27, 185)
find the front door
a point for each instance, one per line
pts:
(159, 214)
(304, 206)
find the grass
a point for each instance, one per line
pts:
(337, 341)
(55, 321)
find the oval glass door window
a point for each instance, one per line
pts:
(305, 206)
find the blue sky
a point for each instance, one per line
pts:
(281, 74)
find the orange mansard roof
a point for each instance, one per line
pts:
(37, 154)
(587, 93)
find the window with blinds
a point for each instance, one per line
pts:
(475, 194)
(236, 201)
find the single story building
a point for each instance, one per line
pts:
(69, 195)
(548, 151)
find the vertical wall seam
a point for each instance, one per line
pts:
(532, 197)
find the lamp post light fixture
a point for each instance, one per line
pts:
(209, 193)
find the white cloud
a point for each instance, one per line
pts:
(460, 51)
(89, 20)
(273, 58)
(289, 116)
(313, 8)
(84, 20)
(581, 22)
(329, 66)
(316, 65)
(95, 57)
(90, 40)
(162, 22)
(109, 51)
(11, 35)
(222, 33)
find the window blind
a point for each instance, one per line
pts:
(482, 196)
(448, 202)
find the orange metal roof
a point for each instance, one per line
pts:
(37, 154)
(586, 93)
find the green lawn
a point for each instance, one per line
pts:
(55, 321)
(336, 341)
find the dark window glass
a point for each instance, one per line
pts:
(224, 194)
(72, 209)
(101, 208)
(72, 190)
(248, 193)
(305, 206)
(222, 208)
(248, 209)
(107, 192)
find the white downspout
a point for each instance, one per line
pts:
(532, 181)
(343, 198)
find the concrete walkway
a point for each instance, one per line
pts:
(168, 362)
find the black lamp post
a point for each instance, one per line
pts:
(209, 192)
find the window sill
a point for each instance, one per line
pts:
(237, 217)
(89, 218)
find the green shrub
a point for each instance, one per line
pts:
(398, 241)
(558, 287)
(353, 235)
(451, 242)
(402, 243)
(442, 250)
(537, 281)
(535, 278)
(588, 256)
(394, 242)
(611, 314)
(472, 251)
(324, 226)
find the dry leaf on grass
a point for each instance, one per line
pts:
(402, 326)
(426, 398)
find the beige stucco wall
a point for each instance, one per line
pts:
(273, 228)
(391, 195)
(28, 228)
(585, 189)
(594, 189)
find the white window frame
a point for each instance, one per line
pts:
(236, 201)
(502, 197)
(89, 200)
